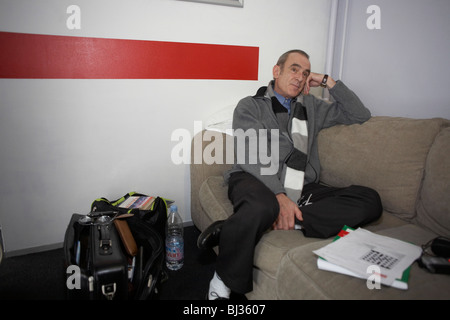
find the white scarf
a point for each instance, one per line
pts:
(296, 163)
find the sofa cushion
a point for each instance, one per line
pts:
(433, 207)
(273, 246)
(386, 154)
(312, 283)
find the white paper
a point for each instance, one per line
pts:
(361, 249)
(328, 266)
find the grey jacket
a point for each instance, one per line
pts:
(262, 112)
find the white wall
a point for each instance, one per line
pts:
(400, 69)
(66, 142)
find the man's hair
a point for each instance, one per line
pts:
(284, 56)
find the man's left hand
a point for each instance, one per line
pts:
(315, 80)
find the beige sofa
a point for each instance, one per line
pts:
(406, 160)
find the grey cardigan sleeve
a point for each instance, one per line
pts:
(346, 108)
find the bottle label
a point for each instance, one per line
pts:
(175, 252)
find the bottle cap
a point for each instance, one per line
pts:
(174, 207)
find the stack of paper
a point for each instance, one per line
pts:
(359, 251)
(141, 202)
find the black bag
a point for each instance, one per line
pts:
(102, 275)
(102, 266)
(156, 216)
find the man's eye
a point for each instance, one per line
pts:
(294, 70)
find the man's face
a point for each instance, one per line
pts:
(290, 80)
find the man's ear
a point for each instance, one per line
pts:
(276, 71)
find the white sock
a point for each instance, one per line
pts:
(217, 288)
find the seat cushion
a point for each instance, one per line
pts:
(274, 244)
(300, 278)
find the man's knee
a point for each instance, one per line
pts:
(371, 202)
(259, 209)
(253, 199)
(266, 207)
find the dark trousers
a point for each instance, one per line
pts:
(325, 211)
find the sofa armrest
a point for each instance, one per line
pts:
(199, 172)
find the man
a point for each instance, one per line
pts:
(290, 198)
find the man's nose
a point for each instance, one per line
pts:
(299, 76)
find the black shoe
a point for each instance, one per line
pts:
(210, 237)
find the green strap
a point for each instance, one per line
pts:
(122, 199)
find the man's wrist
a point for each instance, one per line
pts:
(280, 195)
(330, 82)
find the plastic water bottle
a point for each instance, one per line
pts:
(174, 240)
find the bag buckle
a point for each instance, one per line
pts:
(105, 241)
(109, 290)
(105, 244)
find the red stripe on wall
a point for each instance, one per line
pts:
(33, 56)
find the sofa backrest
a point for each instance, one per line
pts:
(385, 153)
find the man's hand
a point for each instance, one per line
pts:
(315, 79)
(288, 211)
